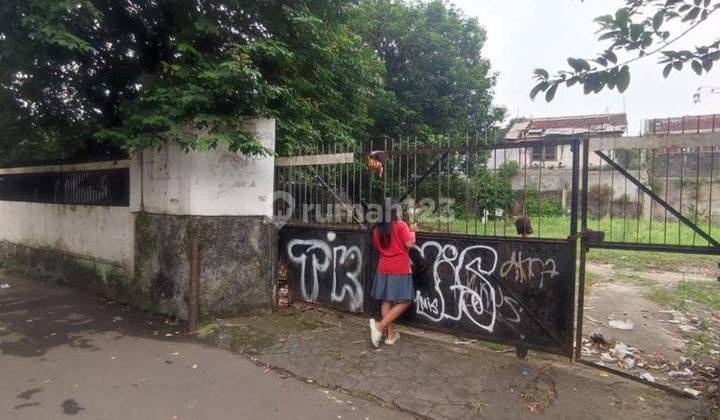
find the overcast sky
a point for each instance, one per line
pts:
(526, 34)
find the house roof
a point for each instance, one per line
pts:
(709, 123)
(537, 128)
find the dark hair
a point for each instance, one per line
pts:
(384, 227)
(523, 225)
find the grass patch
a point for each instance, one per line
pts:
(617, 229)
(591, 279)
(206, 329)
(699, 344)
(688, 296)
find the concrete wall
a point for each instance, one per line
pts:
(140, 254)
(237, 257)
(98, 232)
(213, 183)
(103, 233)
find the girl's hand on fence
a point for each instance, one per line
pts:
(413, 227)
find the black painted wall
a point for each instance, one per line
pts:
(498, 289)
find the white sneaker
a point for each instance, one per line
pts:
(391, 342)
(375, 335)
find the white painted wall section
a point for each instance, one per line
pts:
(211, 183)
(104, 233)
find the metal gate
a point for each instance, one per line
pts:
(478, 278)
(660, 189)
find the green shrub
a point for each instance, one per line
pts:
(599, 197)
(536, 205)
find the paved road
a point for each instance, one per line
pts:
(63, 354)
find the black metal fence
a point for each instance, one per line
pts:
(655, 196)
(473, 185)
(104, 187)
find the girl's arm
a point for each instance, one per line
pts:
(409, 235)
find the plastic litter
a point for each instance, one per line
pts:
(622, 325)
(524, 372)
(693, 392)
(4, 286)
(647, 377)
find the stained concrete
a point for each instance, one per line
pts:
(236, 262)
(439, 380)
(67, 355)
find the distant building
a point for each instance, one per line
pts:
(709, 123)
(553, 156)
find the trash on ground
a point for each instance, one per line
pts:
(4, 286)
(647, 377)
(605, 357)
(524, 372)
(597, 338)
(693, 392)
(622, 325)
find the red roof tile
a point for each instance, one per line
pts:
(582, 121)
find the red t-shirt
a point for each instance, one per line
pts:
(394, 259)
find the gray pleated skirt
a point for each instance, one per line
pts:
(393, 287)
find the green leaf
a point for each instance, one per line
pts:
(692, 14)
(550, 94)
(578, 64)
(658, 20)
(541, 74)
(707, 64)
(540, 87)
(623, 80)
(697, 67)
(666, 71)
(611, 57)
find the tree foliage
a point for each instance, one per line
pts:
(96, 75)
(439, 82)
(640, 29)
(134, 73)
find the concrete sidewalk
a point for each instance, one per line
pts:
(436, 379)
(66, 354)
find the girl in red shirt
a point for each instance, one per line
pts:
(393, 283)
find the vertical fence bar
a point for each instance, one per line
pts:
(439, 189)
(583, 247)
(667, 188)
(467, 182)
(697, 186)
(625, 203)
(385, 171)
(612, 203)
(682, 186)
(477, 187)
(599, 215)
(638, 214)
(495, 176)
(652, 202)
(505, 216)
(712, 167)
(540, 197)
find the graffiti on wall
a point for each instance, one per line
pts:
(467, 276)
(323, 260)
(501, 289)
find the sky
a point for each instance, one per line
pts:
(527, 34)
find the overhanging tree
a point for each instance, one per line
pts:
(133, 73)
(638, 30)
(434, 69)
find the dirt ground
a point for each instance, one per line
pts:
(674, 339)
